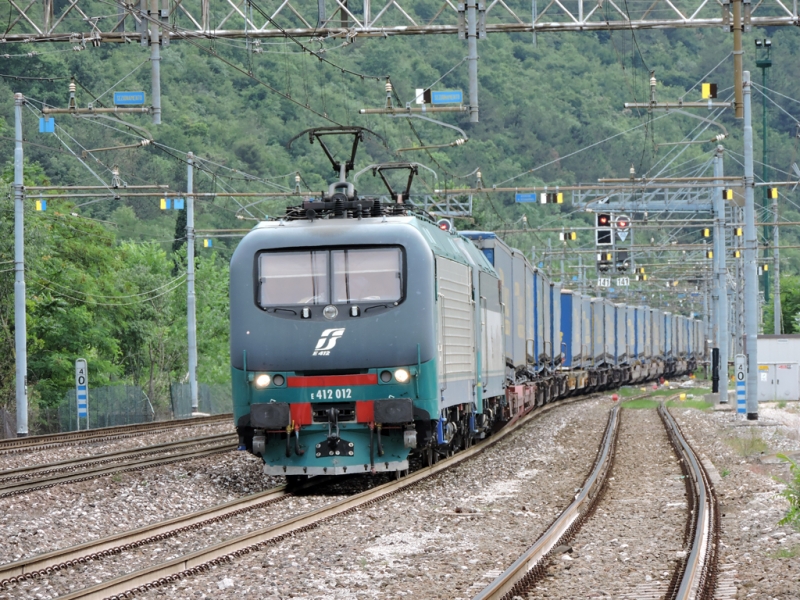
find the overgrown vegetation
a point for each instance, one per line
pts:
(792, 494)
(747, 445)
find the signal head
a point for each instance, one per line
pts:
(444, 224)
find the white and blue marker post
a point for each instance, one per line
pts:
(82, 391)
(741, 384)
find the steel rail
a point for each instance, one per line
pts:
(529, 566)
(92, 435)
(202, 560)
(45, 564)
(64, 465)
(136, 465)
(695, 578)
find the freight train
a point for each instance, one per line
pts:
(362, 332)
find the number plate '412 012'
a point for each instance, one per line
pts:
(338, 394)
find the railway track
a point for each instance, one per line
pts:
(89, 436)
(26, 479)
(201, 560)
(695, 576)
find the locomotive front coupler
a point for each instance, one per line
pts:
(336, 446)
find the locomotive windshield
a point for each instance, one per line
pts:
(337, 276)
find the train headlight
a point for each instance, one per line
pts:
(401, 375)
(330, 311)
(262, 380)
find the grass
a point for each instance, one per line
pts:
(641, 403)
(698, 404)
(792, 494)
(748, 445)
(782, 404)
(792, 552)
(724, 472)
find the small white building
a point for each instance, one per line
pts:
(778, 367)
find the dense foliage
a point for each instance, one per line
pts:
(108, 285)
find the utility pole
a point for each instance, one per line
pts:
(750, 258)
(721, 279)
(737, 58)
(155, 59)
(20, 326)
(776, 255)
(764, 62)
(472, 58)
(191, 320)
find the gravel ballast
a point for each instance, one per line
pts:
(445, 537)
(15, 460)
(66, 515)
(760, 558)
(630, 546)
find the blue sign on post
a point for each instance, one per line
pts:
(47, 125)
(82, 390)
(447, 97)
(128, 98)
(531, 197)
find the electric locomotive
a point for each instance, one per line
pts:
(353, 337)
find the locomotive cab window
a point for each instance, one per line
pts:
(365, 275)
(342, 276)
(293, 278)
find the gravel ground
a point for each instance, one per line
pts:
(629, 547)
(444, 538)
(762, 560)
(87, 575)
(70, 452)
(66, 515)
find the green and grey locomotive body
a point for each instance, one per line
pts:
(355, 341)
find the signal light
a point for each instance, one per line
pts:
(708, 90)
(603, 234)
(551, 198)
(444, 224)
(772, 193)
(706, 232)
(565, 236)
(737, 254)
(766, 268)
(642, 277)
(710, 254)
(727, 194)
(640, 270)
(737, 231)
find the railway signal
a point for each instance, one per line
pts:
(444, 224)
(603, 234)
(623, 226)
(604, 260)
(567, 236)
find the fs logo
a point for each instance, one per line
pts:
(327, 341)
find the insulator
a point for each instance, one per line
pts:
(72, 88)
(460, 142)
(338, 208)
(388, 87)
(377, 208)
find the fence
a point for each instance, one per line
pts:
(212, 399)
(8, 424)
(108, 406)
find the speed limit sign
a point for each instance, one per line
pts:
(741, 384)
